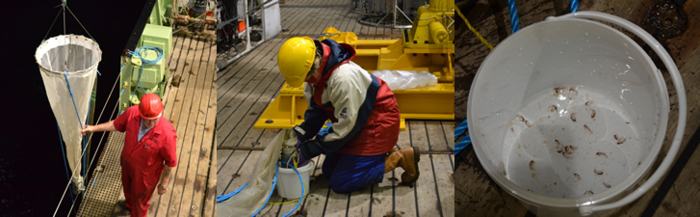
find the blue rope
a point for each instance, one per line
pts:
(461, 129)
(274, 182)
(302, 189)
(513, 16)
(73, 99)
(144, 61)
(221, 198)
(85, 138)
(65, 76)
(461, 145)
(574, 6)
(65, 162)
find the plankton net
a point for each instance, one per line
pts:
(68, 65)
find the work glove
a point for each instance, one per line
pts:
(300, 158)
(300, 134)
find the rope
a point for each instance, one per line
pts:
(301, 180)
(65, 161)
(64, 6)
(222, 198)
(85, 139)
(574, 6)
(73, 99)
(513, 16)
(98, 146)
(482, 39)
(76, 19)
(296, 200)
(54, 22)
(274, 182)
(64, 17)
(65, 76)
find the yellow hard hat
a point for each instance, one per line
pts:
(295, 59)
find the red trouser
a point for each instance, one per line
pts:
(138, 185)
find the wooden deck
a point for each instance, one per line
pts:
(191, 107)
(675, 195)
(249, 84)
(320, 15)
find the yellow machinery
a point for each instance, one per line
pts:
(427, 46)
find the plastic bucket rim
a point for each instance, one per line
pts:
(287, 171)
(628, 183)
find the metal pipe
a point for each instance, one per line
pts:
(395, 7)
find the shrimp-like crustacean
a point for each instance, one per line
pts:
(589, 192)
(597, 172)
(592, 113)
(532, 165)
(589, 129)
(528, 124)
(620, 139)
(559, 148)
(568, 151)
(578, 177)
(573, 117)
(522, 119)
(572, 93)
(559, 89)
(600, 153)
(552, 108)
(606, 185)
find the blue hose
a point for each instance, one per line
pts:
(221, 198)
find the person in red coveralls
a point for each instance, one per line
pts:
(148, 154)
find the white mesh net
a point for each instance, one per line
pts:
(253, 196)
(75, 57)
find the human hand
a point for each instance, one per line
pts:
(86, 129)
(161, 189)
(298, 159)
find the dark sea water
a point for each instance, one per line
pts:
(32, 174)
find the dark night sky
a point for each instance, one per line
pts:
(32, 174)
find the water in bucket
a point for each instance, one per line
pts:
(568, 113)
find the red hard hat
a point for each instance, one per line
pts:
(151, 107)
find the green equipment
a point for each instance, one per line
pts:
(154, 76)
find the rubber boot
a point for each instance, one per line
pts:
(122, 204)
(406, 158)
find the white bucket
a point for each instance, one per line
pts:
(568, 114)
(288, 185)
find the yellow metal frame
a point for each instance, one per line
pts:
(427, 46)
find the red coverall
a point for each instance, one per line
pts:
(142, 161)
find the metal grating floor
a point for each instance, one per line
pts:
(103, 189)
